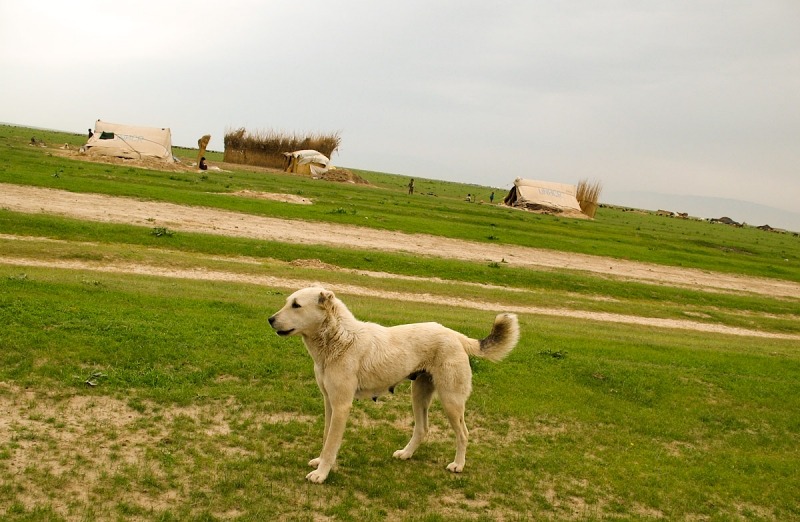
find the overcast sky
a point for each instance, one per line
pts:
(677, 97)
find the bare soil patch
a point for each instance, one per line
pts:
(338, 174)
(141, 163)
(79, 441)
(283, 198)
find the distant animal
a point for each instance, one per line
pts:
(355, 359)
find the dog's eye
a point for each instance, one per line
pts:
(295, 304)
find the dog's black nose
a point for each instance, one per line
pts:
(271, 320)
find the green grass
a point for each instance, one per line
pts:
(560, 289)
(385, 205)
(147, 397)
(625, 419)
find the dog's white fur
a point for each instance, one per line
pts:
(355, 359)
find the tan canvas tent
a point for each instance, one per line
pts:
(307, 162)
(128, 141)
(543, 195)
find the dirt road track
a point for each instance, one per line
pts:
(102, 208)
(291, 284)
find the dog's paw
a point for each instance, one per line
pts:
(403, 454)
(314, 463)
(316, 476)
(455, 467)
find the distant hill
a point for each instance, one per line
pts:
(707, 207)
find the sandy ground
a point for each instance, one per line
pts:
(97, 207)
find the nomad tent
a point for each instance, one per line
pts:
(307, 162)
(127, 141)
(543, 195)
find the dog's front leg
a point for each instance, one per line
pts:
(315, 462)
(321, 383)
(340, 409)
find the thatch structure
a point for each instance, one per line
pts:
(268, 148)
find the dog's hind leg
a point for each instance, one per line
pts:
(453, 405)
(421, 396)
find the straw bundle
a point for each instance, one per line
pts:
(588, 196)
(202, 144)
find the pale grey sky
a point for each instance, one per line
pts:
(693, 97)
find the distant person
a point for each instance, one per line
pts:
(411, 186)
(91, 133)
(469, 198)
(491, 197)
(203, 165)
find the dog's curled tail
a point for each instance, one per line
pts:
(500, 341)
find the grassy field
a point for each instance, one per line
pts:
(148, 396)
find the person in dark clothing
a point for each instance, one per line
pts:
(203, 165)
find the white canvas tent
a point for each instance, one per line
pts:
(543, 195)
(128, 141)
(307, 162)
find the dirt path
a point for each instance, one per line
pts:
(97, 207)
(292, 284)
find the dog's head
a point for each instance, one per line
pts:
(304, 311)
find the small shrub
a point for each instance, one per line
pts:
(162, 232)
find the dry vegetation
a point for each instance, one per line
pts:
(588, 196)
(266, 148)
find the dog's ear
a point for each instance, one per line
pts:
(326, 298)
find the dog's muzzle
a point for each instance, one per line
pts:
(282, 333)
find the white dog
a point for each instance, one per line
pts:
(354, 359)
